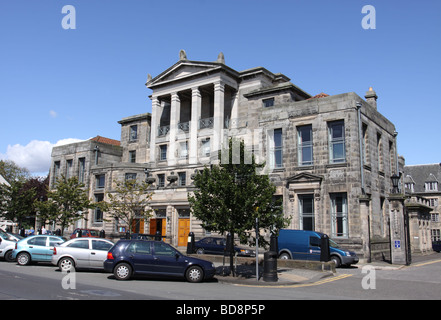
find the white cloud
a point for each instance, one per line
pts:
(53, 114)
(35, 156)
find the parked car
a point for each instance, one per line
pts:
(305, 245)
(35, 249)
(216, 245)
(140, 257)
(78, 253)
(85, 233)
(436, 246)
(7, 245)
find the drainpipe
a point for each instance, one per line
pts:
(360, 137)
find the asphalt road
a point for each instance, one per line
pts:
(421, 280)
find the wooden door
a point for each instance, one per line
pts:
(183, 231)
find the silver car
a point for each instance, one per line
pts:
(78, 253)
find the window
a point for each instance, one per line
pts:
(435, 217)
(163, 249)
(205, 148)
(161, 180)
(436, 234)
(339, 215)
(130, 176)
(431, 186)
(163, 152)
(81, 169)
(183, 150)
(306, 210)
(54, 241)
(182, 179)
(82, 244)
(304, 134)
(268, 102)
(133, 133)
(275, 148)
(380, 153)
(433, 202)
(56, 169)
(101, 245)
(336, 142)
(38, 241)
(69, 164)
(132, 156)
(98, 214)
(100, 181)
(410, 186)
(139, 247)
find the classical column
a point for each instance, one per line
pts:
(174, 119)
(154, 127)
(195, 115)
(218, 121)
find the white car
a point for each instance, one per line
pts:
(7, 245)
(79, 253)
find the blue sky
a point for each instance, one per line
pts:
(58, 84)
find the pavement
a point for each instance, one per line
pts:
(246, 274)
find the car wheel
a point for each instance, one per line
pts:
(284, 256)
(194, 274)
(8, 256)
(23, 258)
(66, 264)
(123, 271)
(200, 251)
(336, 261)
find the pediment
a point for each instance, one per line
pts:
(182, 70)
(304, 177)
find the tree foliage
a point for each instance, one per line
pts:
(230, 196)
(67, 202)
(129, 201)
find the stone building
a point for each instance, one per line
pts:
(421, 182)
(330, 157)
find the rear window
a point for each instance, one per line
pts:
(39, 241)
(82, 244)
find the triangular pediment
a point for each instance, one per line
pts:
(304, 177)
(184, 69)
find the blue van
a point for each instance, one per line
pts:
(305, 245)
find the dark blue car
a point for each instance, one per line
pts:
(217, 245)
(140, 257)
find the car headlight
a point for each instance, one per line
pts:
(348, 253)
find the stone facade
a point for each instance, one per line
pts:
(422, 183)
(330, 157)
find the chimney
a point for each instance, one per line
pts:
(371, 98)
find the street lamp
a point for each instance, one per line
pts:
(395, 182)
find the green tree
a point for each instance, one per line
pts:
(129, 201)
(12, 172)
(229, 197)
(17, 201)
(67, 202)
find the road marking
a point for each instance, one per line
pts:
(425, 263)
(300, 285)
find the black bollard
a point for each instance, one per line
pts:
(190, 243)
(324, 249)
(270, 266)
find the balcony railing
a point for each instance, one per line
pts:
(163, 130)
(206, 123)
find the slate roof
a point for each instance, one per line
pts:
(420, 174)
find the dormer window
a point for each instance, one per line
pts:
(268, 102)
(431, 186)
(431, 183)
